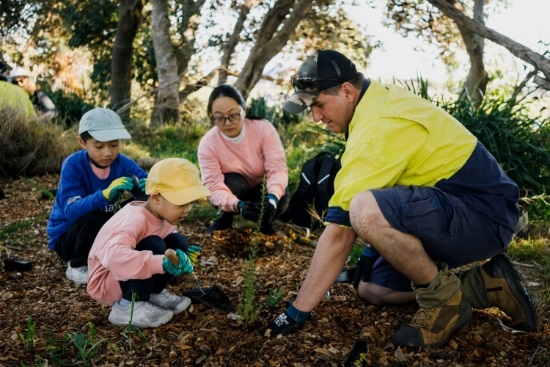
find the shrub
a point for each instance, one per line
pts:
(29, 147)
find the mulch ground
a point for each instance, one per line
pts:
(72, 329)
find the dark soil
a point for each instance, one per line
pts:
(72, 329)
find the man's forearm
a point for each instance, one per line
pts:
(330, 256)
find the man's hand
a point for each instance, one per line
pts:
(364, 265)
(286, 323)
(117, 187)
(176, 263)
(249, 210)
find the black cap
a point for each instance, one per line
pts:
(324, 70)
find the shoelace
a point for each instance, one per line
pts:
(421, 316)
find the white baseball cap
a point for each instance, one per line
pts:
(19, 71)
(103, 125)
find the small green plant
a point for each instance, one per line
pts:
(86, 345)
(246, 308)
(28, 338)
(131, 328)
(273, 298)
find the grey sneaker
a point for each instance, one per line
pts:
(170, 301)
(78, 275)
(145, 315)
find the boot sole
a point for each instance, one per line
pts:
(515, 282)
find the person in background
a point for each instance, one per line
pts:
(418, 187)
(127, 261)
(92, 182)
(43, 105)
(234, 157)
(14, 98)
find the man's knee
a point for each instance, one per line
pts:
(370, 293)
(364, 211)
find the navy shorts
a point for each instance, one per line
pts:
(450, 231)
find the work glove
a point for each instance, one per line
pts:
(138, 190)
(270, 208)
(249, 210)
(177, 263)
(363, 269)
(192, 253)
(286, 323)
(117, 187)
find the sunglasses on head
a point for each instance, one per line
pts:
(307, 82)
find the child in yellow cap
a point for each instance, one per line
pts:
(127, 256)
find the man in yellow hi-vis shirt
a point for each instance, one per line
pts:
(418, 187)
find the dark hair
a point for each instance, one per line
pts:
(225, 90)
(85, 136)
(357, 83)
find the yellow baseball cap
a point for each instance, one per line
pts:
(177, 179)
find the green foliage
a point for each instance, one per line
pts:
(246, 307)
(171, 140)
(86, 345)
(28, 338)
(519, 143)
(70, 106)
(278, 116)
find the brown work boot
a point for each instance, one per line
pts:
(439, 316)
(497, 283)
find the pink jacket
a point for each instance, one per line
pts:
(113, 256)
(260, 152)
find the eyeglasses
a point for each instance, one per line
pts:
(308, 82)
(220, 120)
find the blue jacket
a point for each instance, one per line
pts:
(80, 191)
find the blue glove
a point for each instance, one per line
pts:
(117, 187)
(192, 253)
(176, 263)
(363, 269)
(288, 322)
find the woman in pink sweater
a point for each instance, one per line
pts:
(234, 157)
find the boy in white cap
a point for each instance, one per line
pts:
(91, 184)
(127, 261)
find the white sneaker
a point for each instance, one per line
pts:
(78, 275)
(145, 315)
(170, 301)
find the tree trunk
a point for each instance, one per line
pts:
(273, 34)
(520, 51)
(129, 17)
(167, 104)
(477, 79)
(233, 40)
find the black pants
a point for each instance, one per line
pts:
(144, 287)
(75, 244)
(239, 187)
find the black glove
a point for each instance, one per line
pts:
(286, 323)
(249, 210)
(270, 208)
(363, 269)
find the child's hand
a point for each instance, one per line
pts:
(192, 253)
(176, 263)
(117, 187)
